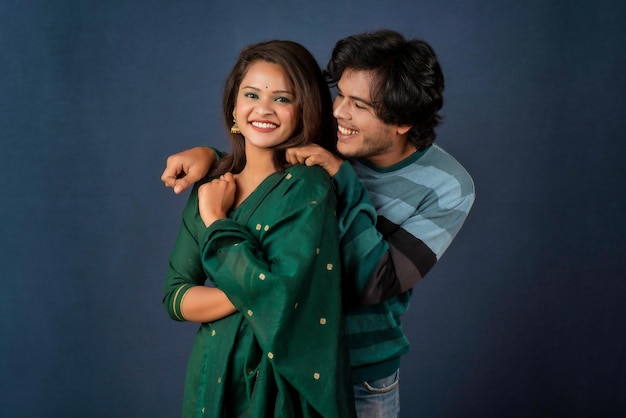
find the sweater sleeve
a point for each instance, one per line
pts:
(415, 246)
(362, 245)
(403, 253)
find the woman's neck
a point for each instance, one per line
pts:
(259, 165)
(259, 162)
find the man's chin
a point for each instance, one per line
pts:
(347, 152)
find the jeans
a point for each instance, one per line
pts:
(378, 398)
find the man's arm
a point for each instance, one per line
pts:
(364, 252)
(363, 248)
(187, 167)
(418, 225)
(383, 258)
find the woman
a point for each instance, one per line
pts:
(265, 234)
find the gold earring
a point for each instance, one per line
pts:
(235, 128)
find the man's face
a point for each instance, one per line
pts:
(361, 133)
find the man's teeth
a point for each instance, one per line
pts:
(264, 125)
(346, 131)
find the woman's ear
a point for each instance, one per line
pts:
(235, 128)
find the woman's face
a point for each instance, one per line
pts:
(266, 105)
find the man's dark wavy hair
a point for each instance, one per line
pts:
(407, 88)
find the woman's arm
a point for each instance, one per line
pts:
(186, 298)
(206, 304)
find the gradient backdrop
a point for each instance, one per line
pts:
(524, 315)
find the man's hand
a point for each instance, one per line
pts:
(187, 167)
(216, 198)
(314, 155)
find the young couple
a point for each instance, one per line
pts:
(312, 258)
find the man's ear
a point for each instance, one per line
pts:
(403, 130)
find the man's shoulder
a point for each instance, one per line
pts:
(439, 157)
(440, 163)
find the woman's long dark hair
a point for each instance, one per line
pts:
(316, 123)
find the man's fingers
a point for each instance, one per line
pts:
(312, 160)
(174, 170)
(289, 157)
(298, 156)
(169, 177)
(175, 177)
(293, 157)
(181, 185)
(168, 181)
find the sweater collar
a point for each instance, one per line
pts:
(397, 166)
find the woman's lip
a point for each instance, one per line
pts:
(264, 124)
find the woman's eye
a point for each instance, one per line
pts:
(251, 95)
(282, 99)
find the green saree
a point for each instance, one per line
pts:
(276, 256)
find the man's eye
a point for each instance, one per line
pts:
(359, 106)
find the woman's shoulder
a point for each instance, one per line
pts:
(306, 173)
(309, 182)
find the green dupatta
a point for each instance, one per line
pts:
(277, 258)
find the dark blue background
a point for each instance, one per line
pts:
(523, 317)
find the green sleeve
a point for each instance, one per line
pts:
(185, 267)
(218, 154)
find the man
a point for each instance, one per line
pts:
(389, 92)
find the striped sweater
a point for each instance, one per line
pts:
(421, 204)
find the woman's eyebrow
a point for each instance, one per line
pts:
(275, 91)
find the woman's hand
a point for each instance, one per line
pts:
(216, 198)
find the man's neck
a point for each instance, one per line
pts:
(392, 156)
